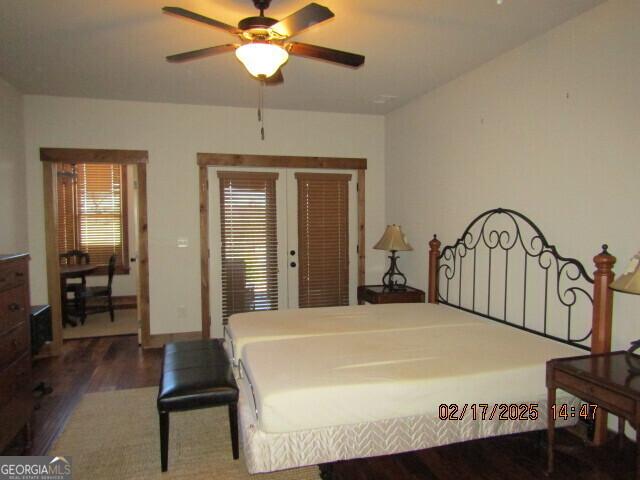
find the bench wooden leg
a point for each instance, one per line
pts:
(164, 439)
(233, 424)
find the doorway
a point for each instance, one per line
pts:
(299, 209)
(281, 238)
(132, 161)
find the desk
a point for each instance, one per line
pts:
(66, 272)
(602, 379)
(380, 294)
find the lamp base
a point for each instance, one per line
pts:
(393, 279)
(633, 360)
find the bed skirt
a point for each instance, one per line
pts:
(268, 452)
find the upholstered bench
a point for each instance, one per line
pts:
(195, 374)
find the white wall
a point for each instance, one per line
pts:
(551, 129)
(13, 219)
(173, 134)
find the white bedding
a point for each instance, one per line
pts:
(267, 452)
(312, 382)
(246, 328)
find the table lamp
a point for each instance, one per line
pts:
(629, 282)
(393, 240)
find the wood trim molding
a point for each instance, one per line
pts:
(159, 340)
(206, 160)
(120, 302)
(125, 302)
(204, 251)
(50, 158)
(143, 257)
(236, 160)
(93, 155)
(361, 225)
(51, 249)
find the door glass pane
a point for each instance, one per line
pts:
(248, 232)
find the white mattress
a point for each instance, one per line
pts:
(315, 382)
(246, 328)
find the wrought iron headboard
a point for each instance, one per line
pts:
(502, 235)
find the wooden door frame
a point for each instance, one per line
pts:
(206, 160)
(50, 157)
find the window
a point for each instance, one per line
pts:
(249, 242)
(92, 212)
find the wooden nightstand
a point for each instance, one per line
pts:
(379, 294)
(602, 379)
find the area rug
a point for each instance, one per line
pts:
(115, 435)
(100, 325)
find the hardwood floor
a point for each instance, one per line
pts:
(109, 363)
(88, 365)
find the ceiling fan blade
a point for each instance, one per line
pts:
(275, 79)
(181, 12)
(203, 52)
(324, 53)
(301, 20)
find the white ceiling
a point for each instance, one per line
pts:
(115, 49)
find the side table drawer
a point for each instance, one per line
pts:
(377, 294)
(610, 400)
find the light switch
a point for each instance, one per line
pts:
(183, 242)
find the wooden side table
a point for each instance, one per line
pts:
(603, 380)
(380, 294)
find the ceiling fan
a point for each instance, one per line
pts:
(264, 46)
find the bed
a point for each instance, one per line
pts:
(272, 325)
(315, 395)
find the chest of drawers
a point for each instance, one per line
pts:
(16, 399)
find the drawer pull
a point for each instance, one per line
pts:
(14, 342)
(14, 307)
(19, 274)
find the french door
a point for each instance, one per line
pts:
(281, 238)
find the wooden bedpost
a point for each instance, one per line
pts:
(602, 301)
(602, 318)
(434, 256)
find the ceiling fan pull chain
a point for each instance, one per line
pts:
(259, 105)
(261, 109)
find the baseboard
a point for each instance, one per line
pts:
(121, 302)
(158, 340)
(124, 302)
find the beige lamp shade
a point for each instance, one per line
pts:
(393, 240)
(629, 281)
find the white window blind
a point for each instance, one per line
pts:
(249, 242)
(323, 239)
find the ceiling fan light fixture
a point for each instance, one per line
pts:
(262, 59)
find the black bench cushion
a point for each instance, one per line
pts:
(197, 377)
(194, 359)
(191, 345)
